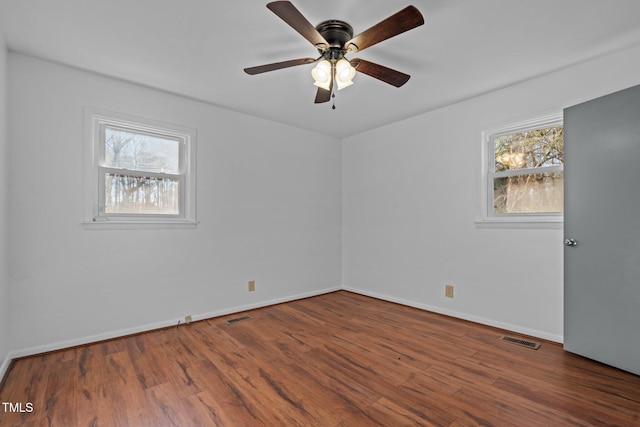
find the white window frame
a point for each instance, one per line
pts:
(521, 220)
(95, 121)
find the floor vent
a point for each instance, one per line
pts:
(238, 319)
(529, 344)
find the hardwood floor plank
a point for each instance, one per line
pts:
(220, 347)
(146, 361)
(182, 378)
(569, 387)
(166, 406)
(224, 398)
(389, 413)
(265, 402)
(335, 375)
(328, 404)
(103, 405)
(386, 364)
(203, 411)
(568, 401)
(338, 359)
(61, 394)
(504, 409)
(26, 382)
(606, 379)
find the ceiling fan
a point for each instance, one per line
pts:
(334, 40)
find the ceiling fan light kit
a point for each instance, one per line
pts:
(334, 40)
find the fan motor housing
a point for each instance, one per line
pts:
(335, 32)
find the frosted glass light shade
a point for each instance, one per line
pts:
(344, 73)
(321, 73)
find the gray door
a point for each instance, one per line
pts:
(602, 215)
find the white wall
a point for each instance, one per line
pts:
(5, 332)
(268, 201)
(411, 194)
(269, 205)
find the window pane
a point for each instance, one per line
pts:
(532, 148)
(532, 193)
(141, 195)
(138, 151)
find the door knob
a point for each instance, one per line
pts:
(570, 242)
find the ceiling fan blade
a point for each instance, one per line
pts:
(292, 16)
(380, 72)
(322, 95)
(278, 65)
(405, 20)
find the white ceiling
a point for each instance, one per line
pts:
(198, 48)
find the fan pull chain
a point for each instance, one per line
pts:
(333, 96)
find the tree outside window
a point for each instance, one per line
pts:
(129, 187)
(525, 174)
(138, 172)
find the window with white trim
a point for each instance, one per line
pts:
(524, 171)
(138, 171)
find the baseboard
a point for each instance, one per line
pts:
(172, 322)
(4, 368)
(153, 326)
(465, 316)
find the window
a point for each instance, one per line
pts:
(138, 171)
(524, 172)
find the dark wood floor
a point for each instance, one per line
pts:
(334, 360)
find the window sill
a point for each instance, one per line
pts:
(550, 223)
(160, 224)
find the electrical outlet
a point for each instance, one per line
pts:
(187, 319)
(252, 285)
(448, 291)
